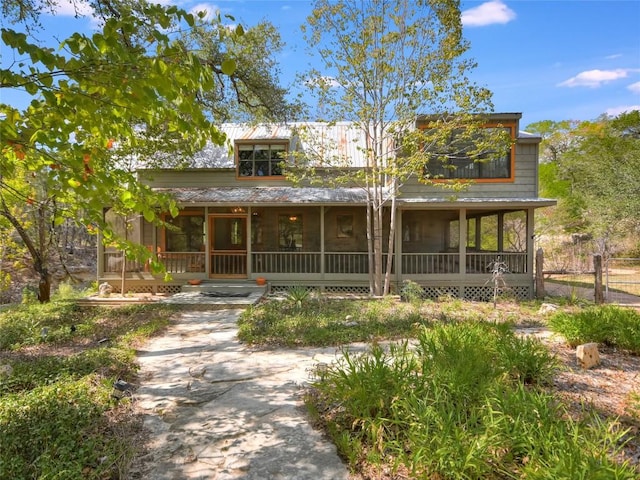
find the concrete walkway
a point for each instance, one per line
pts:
(218, 410)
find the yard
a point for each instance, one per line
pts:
(52, 359)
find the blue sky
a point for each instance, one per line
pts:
(549, 59)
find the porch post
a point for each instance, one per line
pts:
(462, 235)
(500, 231)
(207, 247)
(398, 247)
(249, 238)
(530, 235)
(479, 233)
(322, 260)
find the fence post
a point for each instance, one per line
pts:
(598, 295)
(540, 293)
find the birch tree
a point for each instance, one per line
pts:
(386, 63)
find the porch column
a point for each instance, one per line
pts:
(207, 246)
(479, 233)
(249, 242)
(500, 231)
(322, 260)
(462, 243)
(530, 243)
(398, 246)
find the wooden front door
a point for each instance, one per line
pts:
(228, 246)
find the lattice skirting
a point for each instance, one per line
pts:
(167, 289)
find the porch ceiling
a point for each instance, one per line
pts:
(267, 195)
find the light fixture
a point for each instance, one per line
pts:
(293, 218)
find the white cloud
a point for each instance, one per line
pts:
(71, 8)
(211, 11)
(634, 87)
(494, 11)
(595, 78)
(615, 111)
(323, 81)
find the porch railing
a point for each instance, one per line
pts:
(484, 262)
(286, 262)
(113, 263)
(430, 263)
(347, 263)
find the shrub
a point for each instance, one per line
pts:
(609, 325)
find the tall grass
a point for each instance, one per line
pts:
(465, 402)
(609, 325)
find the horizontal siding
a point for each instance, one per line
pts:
(523, 186)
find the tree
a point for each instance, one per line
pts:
(596, 176)
(387, 61)
(132, 90)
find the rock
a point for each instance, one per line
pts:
(546, 308)
(104, 290)
(588, 355)
(6, 370)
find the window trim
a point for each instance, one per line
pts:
(236, 150)
(512, 160)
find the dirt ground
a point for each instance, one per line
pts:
(612, 388)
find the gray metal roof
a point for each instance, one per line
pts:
(329, 196)
(267, 195)
(342, 142)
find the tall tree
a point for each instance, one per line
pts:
(132, 90)
(386, 62)
(595, 175)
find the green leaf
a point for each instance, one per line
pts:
(73, 183)
(228, 66)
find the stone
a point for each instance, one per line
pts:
(547, 308)
(587, 355)
(5, 370)
(104, 290)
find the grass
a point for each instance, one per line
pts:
(608, 325)
(57, 414)
(457, 395)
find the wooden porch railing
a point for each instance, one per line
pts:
(286, 262)
(234, 263)
(483, 262)
(430, 263)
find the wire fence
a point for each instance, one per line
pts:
(622, 280)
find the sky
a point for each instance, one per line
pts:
(548, 59)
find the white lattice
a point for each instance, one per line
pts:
(440, 292)
(169, 289)
(348, 289)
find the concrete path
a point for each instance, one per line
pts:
(218, 410)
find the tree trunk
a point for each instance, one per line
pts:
(540, 293)
(44, 287)
(598, 295)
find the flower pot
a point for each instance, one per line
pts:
(195, 281)
(261, 281)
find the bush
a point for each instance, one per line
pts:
(609, 325)
(457, 407)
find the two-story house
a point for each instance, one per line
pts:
(242, 219)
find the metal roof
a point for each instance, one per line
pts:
(330, 196)
(267, 195)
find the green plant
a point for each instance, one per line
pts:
(608, 324)
(298, 295)
(411, 292)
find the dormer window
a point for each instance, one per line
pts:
(260, 159)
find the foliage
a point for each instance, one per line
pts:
(456, 407)
(609, 325)
(94, 118)
(597, 198)
(56, 410)
(411, 291)
(388, 63)
(326, 322)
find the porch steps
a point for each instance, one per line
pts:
(230, 288)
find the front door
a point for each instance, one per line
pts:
(228, 246)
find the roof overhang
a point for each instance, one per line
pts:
(277, 196)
